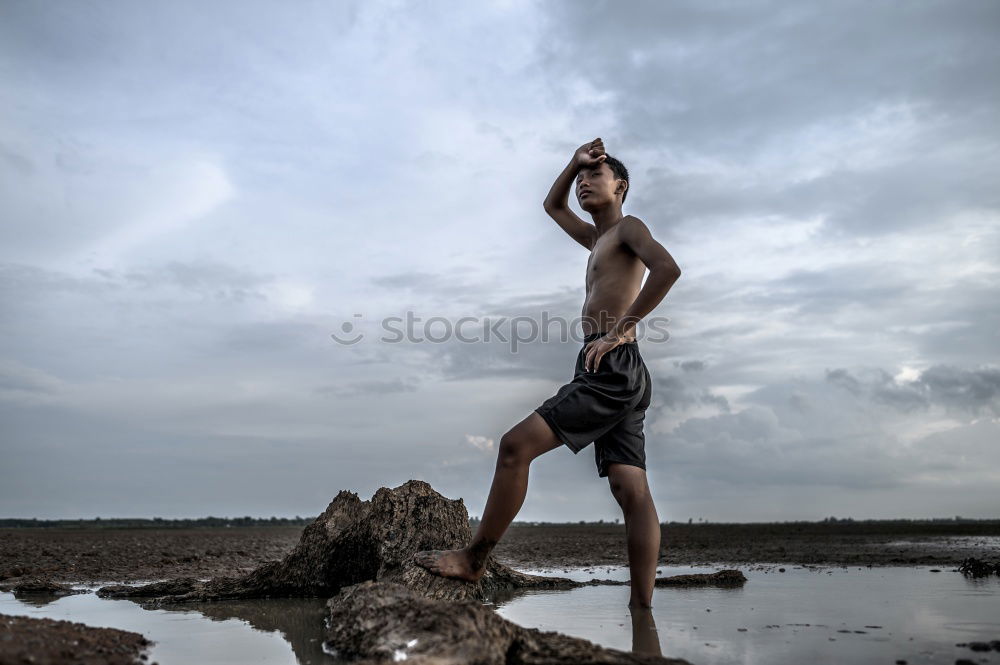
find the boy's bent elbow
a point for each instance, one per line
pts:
(669, 270)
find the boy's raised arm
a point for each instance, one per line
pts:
(556, 203)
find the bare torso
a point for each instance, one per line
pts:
(614, 278)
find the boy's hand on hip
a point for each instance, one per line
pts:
(596, 350)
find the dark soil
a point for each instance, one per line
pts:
(829, 544)
(129, 555)
(41, 641)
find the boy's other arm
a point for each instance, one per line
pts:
(663, 272)
(556, 205)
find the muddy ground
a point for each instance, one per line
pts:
(37, 641)
(91, 555)
(128, 555)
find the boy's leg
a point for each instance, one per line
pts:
(518, 447)
(642, 528)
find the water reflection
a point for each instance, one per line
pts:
(802, 615)
(298, 620)
(645, 639)
(38, 601)
(182, 635)
(823, 615)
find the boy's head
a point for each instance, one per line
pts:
(600, 182)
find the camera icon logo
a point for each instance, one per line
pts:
(347, 327)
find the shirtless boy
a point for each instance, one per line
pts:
(607, 399)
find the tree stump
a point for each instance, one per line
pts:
(355, 541)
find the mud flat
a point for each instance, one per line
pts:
(825, 544)
(130, 555)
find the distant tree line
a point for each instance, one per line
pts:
(157, 522)
(216, 522)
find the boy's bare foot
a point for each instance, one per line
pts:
(458, 564)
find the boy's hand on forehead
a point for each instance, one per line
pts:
(590, 154)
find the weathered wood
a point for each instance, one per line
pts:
(355, 541)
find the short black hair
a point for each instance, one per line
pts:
(619, 171)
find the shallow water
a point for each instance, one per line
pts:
(818, 615)
(274, 631)
(815, 615)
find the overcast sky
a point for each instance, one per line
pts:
(195, 196)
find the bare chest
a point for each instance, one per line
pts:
(608, 259)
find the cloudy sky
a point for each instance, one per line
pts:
(194, 197)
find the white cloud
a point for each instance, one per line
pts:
(479, 442)
(175, 195)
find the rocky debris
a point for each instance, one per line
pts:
(44, 641)
(973, 567)
(355, 541)
(379, 622)
(728, 577)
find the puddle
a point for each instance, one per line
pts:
(814, 615)
(801, 615)
(274, 631)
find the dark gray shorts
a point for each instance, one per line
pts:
(606, 407)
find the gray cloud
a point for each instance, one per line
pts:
(374, 387)
(735, 85)
(975, 391)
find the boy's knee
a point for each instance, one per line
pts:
(628, 490)
(626, 496)
(514, 450)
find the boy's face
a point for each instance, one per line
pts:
(595, 187)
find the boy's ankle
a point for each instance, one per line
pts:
(479, 552)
